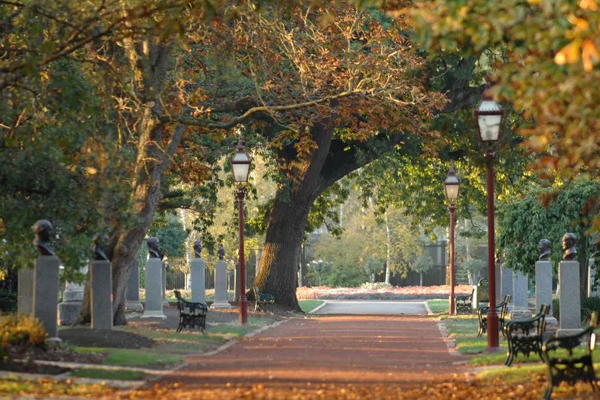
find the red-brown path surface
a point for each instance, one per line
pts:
(307, 353)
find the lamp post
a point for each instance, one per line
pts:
(489, 116)
(241, 168)
(451, 186)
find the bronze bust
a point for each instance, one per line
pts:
(569, 246)
(221, 252)
(544, 248)
(42, 230)
(153, 248)
(198, 248)
(98, 243)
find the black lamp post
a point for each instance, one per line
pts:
(489, 116)
(241, 169)
(451, 190)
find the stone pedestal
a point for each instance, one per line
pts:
(221, 300)
(154, 284)
(69, 309)
(198, 268)
(164, 286)
(520, 296)
(25, 291)
(498, 278)
(46, 282)
(132, 296)
(101, 294)
(506, 276)
(592, 292)
(543, 289)
(569, 298)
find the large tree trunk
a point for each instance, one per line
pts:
(326, 163)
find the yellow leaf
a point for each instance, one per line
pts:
(589, 55)
(568, 54)
(588, 5)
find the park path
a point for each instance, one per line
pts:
(308, 353)
(373, 307)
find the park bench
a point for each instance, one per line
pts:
(191, 314)
(263, 301)
(501, 309)
(525, 336)
(573, 366)
(464, 304)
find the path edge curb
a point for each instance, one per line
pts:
(317, 308)
(450, 343)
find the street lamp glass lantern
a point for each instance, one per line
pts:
(489, 116)
(451, 185)
(240, 163)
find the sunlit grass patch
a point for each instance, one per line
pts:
(309, 305)
(438, 305)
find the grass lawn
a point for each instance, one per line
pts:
(309, 305)
(171, 346)
(131, 356)
(104, 374)
(438, 306)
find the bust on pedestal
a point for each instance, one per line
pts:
(101, 285)
(543, 281)
(46, 280)
(154, 281)
(221, 300)
(197, 268)
(568, 278)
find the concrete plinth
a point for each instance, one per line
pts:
(46, 282)
(101, 294)
(506, 276)
(543, 289)
(132, 295)
(25, 291)
(498, 282)
(69, 309)
(221, 300)
(164, 286)
(569, 298)
(520, 296)
(154, 285)
(592, 291)
(197, 268)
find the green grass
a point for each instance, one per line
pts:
(463, 329)
(104, 374)
(131, 356)
(438, 305)
(309, 305)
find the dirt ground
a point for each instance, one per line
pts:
(306, 353)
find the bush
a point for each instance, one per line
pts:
(376, 285)
(588, 306)
(8, 301)
(21, 330)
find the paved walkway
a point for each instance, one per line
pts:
(337, 350)
(373, 307)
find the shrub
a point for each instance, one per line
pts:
(8, 301)
(21, 330)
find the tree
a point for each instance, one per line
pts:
(364, 53)
(545, 56)
(544, 214)
(422, 264)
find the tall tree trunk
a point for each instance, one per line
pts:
(388, 242)
(325, 163)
